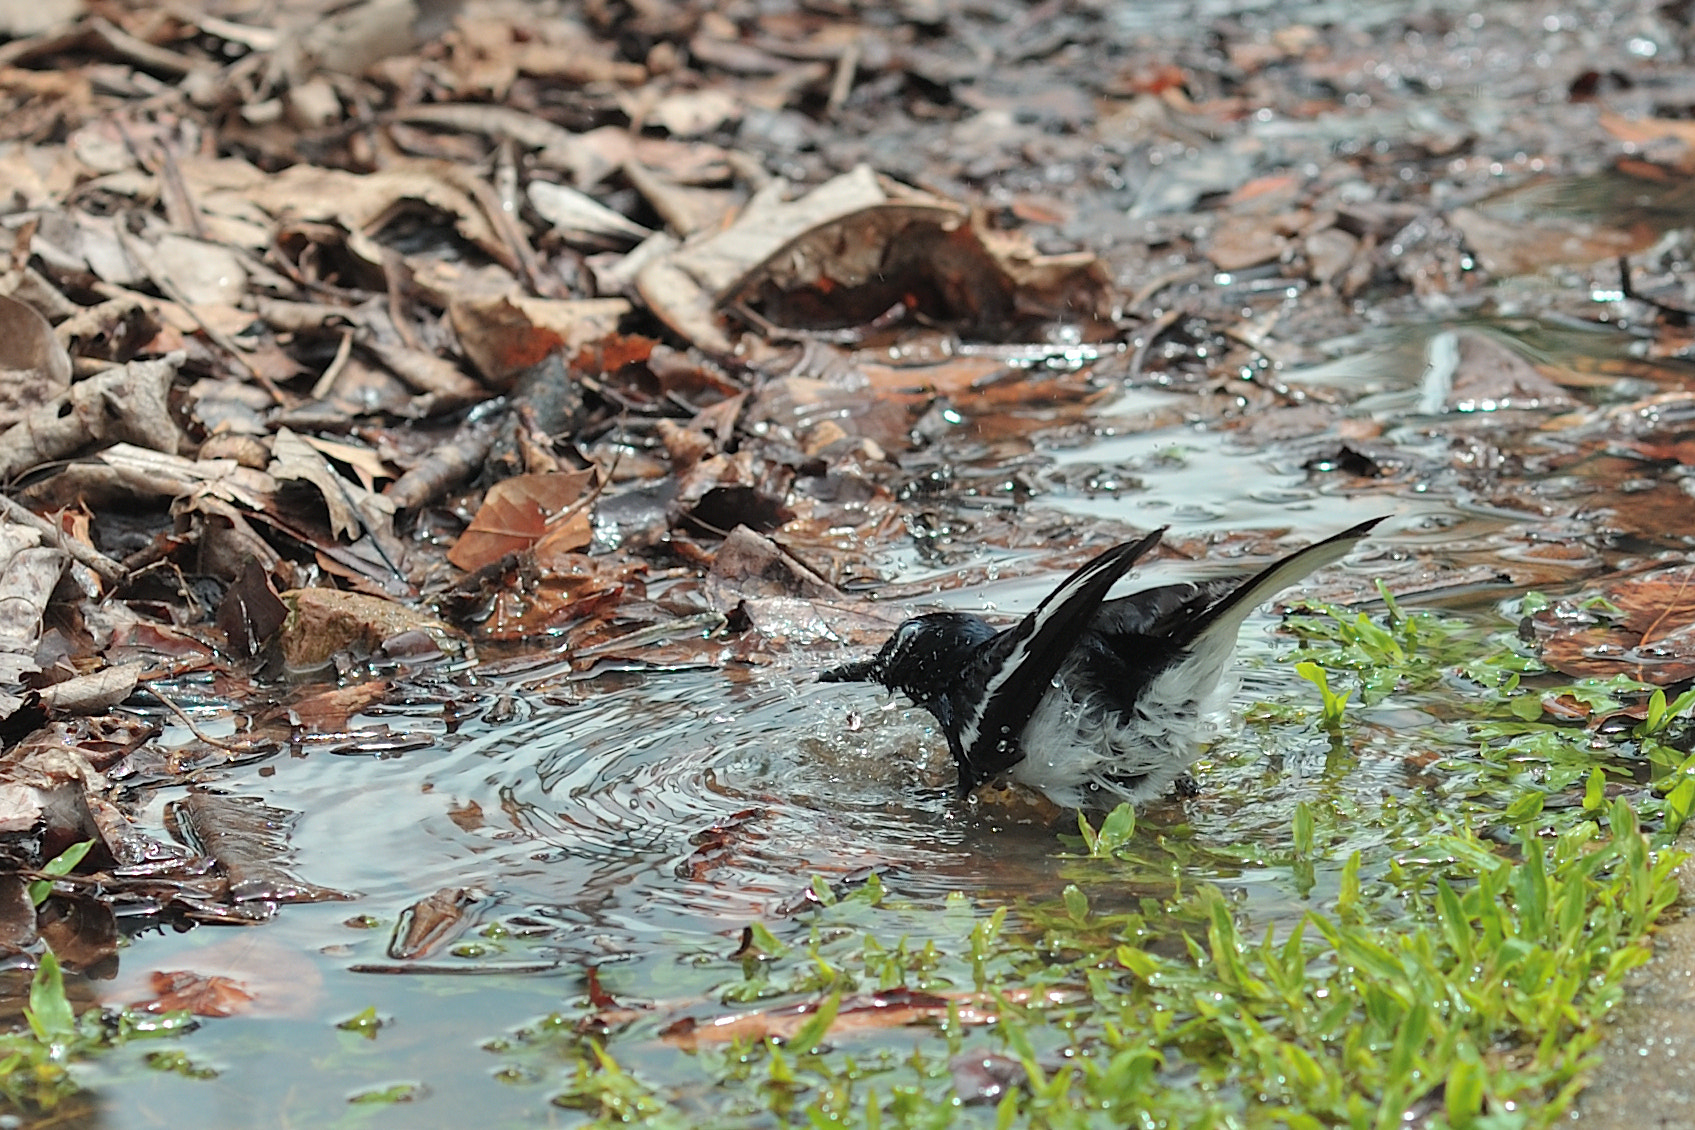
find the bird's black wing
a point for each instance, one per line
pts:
(1018, 665)
(1227, 615)
(1134, 639)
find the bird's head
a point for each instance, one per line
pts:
(922, 659)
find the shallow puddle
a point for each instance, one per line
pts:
(636, 823)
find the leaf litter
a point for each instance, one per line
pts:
(348, 353)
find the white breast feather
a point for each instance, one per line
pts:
(1074, 745)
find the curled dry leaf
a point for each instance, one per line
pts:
(129, 403)
(34, 367)
(576, 215)
(28, 573)
(354, 510)
(362, 204)
(93, 693)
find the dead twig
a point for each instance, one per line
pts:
(80, 551)
(182, 716)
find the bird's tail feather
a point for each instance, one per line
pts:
(1222, 620)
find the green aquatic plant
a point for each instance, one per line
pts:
(62, 864)
(1171, 1013)
(1334, 702)
(36, 1063)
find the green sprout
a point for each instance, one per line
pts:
(62, 864)
(1334, 703)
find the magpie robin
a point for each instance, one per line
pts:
(1085, 695)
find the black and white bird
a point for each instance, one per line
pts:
(1086, 699)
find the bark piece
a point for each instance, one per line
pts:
(322, 622)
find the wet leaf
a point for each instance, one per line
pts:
(251, 612)
(985, 1078)
(430, 925)
(249, 841)
(50, 1013)
(196, 993)
(1651, 637)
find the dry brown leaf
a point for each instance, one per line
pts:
(28, 573)
(1524, 246)
(361, 204)
(354, 510)
(564, 538)
(579, 217)
(34, 367)
(129, 403)
(92, 693)
(1646, 131)
(507, 334)
(367, 464)
(515, 515)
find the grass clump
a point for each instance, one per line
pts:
(1483, 1014)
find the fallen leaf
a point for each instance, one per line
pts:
(34, 367)
(180, 990)
(516, 514)
(430, 924)
(1652, 639)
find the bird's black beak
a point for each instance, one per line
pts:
(859, 671)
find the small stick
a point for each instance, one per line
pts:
(229, 747)
(79, 550)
